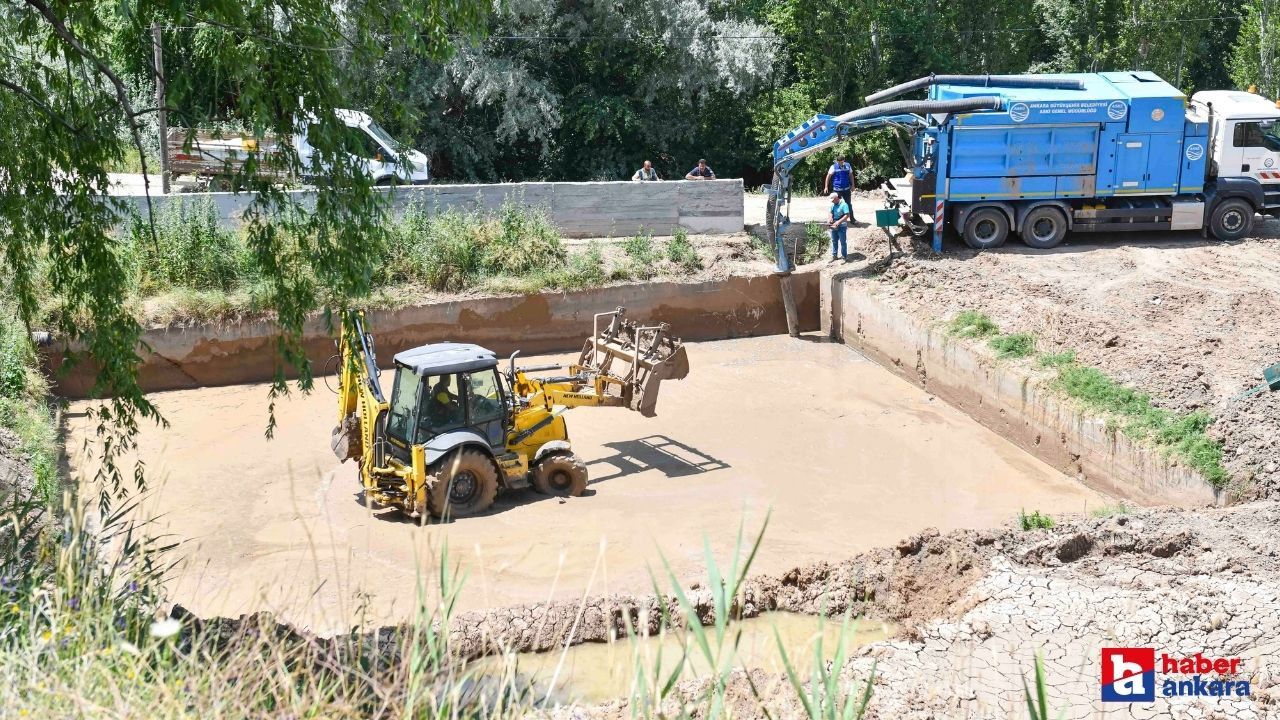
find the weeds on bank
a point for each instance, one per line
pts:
(1107, 511)
(196, 270)
(972, 324)
(1013, 345)
(1183, 435)
(681, 252)
(1034, 521)
(24, 410)
(642, 256)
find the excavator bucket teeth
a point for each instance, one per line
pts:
(634, 360)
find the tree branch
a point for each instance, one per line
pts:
(37, 102)
(122, 95)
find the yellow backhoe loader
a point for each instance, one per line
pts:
(455, 431)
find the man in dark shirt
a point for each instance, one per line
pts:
(702, 172)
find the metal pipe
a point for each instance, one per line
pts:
(1023, 81)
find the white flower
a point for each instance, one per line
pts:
(128, 647)
(165, 628)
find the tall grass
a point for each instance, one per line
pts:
(28, 434)
(190, 249)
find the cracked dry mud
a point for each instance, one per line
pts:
(1179, 581)
(974, 607)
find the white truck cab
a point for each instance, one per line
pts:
(218, 158)
(1244, 136)
(381, 156)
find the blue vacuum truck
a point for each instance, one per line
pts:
(1041, 156)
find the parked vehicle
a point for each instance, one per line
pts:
(1040, 156)
(217, 158)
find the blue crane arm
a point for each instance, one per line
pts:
(814, 135)
(822, 131)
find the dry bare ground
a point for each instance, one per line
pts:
(1190, 321)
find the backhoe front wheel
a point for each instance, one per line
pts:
(465, 483)
(562, 474)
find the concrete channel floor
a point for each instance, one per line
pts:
(843, 454)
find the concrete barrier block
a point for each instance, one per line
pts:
(579, 209)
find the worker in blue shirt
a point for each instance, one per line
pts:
(840, 179)
(839, 227)
(701, 172)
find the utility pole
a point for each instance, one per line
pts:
(161, 115)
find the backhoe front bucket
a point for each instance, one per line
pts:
(649, 355)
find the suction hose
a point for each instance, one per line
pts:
(921, 107)
(1022, 81)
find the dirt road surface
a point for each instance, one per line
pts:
(846, 455)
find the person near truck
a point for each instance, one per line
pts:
(701, 172)
(647, 172)
(840, 180)
(839, 227)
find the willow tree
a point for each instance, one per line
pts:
(67, 114)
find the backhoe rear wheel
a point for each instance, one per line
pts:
(562, 474)
(465, 483)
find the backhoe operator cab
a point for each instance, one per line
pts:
(450, 400)
(455, 430)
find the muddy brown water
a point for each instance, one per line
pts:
(597, 672)
(839, 454)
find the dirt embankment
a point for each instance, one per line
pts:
(974, 608)
(1191, 322)
(1179, 581)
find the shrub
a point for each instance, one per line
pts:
(682, 253)
(1034, 521)
(972, 324)
(521, 240)
(190, 248)
(642, 256)
(1013, 345)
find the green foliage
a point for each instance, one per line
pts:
(682, 253)
(1013, 345)
(189, 249)
(24, 412)
(972, 324)
(1183, 435)
(642, 256)
(1034, 521)
(454, 250)
(1256, 53)
(70, 110)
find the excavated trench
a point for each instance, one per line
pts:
(840, 456)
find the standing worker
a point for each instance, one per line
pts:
(646, 173)
(701, 172)
(839, 227)
(840, 179)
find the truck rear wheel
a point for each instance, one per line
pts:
(465, 483)
(986, 228)
(1232, 219)
(1044, 227)
(562, 474)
